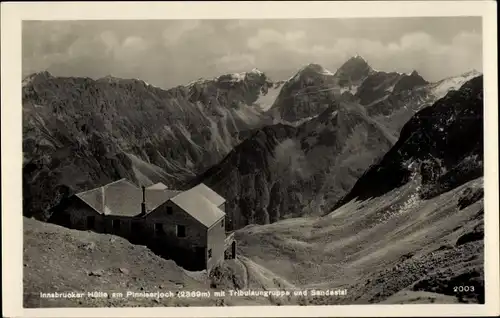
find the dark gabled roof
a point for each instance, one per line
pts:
(202, 203)
(123, 198)
(155, 197)
(117, 198)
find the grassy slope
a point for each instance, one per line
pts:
(376, 248)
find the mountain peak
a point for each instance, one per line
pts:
(43, 74)
(354, 69)
(37, 75)
(409, 81)
(256, 71)
(311, 69)
(306, 94)
(359, 58)
(472, 72)
(111, 79)
(315, 68)
(254, 74)
(356, 59)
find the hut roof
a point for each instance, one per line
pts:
(202, 203)
(123, 198)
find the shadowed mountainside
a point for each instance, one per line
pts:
(306, 94)
(442, 143)
(394, 110)
(282, 171)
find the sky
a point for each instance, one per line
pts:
(167, 53)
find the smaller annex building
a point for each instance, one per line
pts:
(186, 226)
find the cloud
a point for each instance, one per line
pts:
(171, 52)
(414, 50)
(237, 24)
(174, 33)
(423, 52)
(269, 36)
(132, 51)
(110, 41)
(134, 43)
(235, 62)
(467, 38)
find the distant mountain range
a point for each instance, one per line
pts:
(274, 149)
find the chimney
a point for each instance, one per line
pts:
(103, 198)
(143, 204)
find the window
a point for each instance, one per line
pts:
(116, 225)
(222, 223)
(210, 253)
(90, 222)
(181, 231)
(159, 229)
(169, 210)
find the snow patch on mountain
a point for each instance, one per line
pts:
(235, 77)
(390, 89)
(353, 89)
(256, 71)
(441, 88)
(238, 77)
(303, 120)
(324, 71)
(266, 100)
(27, 81)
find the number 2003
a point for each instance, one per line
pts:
(459, 289)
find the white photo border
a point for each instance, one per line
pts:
(12, 15)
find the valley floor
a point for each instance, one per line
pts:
(392, 249)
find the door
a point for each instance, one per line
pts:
(65, 219)
(201, 257)
(136, 232)
(90, 222)
(233, 249)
